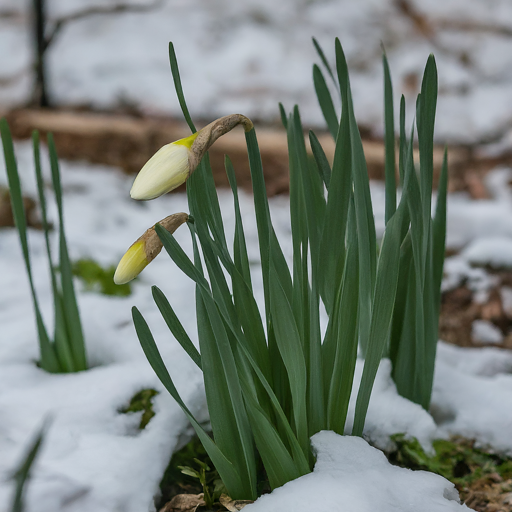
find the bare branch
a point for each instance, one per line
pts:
(59, 23)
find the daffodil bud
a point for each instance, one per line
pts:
(172, 164)
(145, 249)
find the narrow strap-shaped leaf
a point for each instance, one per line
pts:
(439, 228)
(264, 224)
(260, 207)
(382, 311)
(325, 101)
(425, 117)
(389, 138)
(320, 159)
(345, 323)
(324, 60)
(403, 142)
(175, 326)
(61, 342)
(284, 117)
(228, 415)
(279, 464)
(290, 347)
(315, 400)
(49, 360)
(299, 457)
(70, 306)
(332, 244)
(179, 89)
(239, 247)
(23, 472)
(365, 227)
(226, 469)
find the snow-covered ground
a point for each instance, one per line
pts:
(245, 56)
(94, 458)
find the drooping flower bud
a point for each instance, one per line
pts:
(172, 164)
(145, 249)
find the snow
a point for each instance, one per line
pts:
(472, 395)
(484, 331)
(94, 458)
(495, 252)
(245, 56)
(351, 475)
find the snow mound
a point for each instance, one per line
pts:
(389, 413)
(351, 475)
(472, 395)
(495, 251)
(484, 331)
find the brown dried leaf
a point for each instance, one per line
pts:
(233, 505)
(184, 503)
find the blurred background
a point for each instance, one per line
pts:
(85, 59)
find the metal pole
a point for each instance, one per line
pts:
(40, 91)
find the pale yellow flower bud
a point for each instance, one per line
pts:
(166, 170)
(172, 164)
(142, 252)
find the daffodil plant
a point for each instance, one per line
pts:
(65, 350)
(274, 378)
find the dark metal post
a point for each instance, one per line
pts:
(40, 92)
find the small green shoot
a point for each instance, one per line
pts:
(99, 279)
(142, 401)
(208, 478)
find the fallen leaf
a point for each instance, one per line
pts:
(233, 505)
(184, 503)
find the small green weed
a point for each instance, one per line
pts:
(457, 460)
(142, 401)
(208, 478)
(174, 480)
(99, 279)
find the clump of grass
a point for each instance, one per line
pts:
(65, 350)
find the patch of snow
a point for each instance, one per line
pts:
(245, 57)
(349, 474)
(484, 331)
(94, 458)
(495, 252)
(389, 413)
(506, 299)
(472, 395)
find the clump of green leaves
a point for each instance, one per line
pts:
(65, 351)
(99, 279)
(174, 480)
(456, 460)
(142, 401)
(208, 478)
(273, 379)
